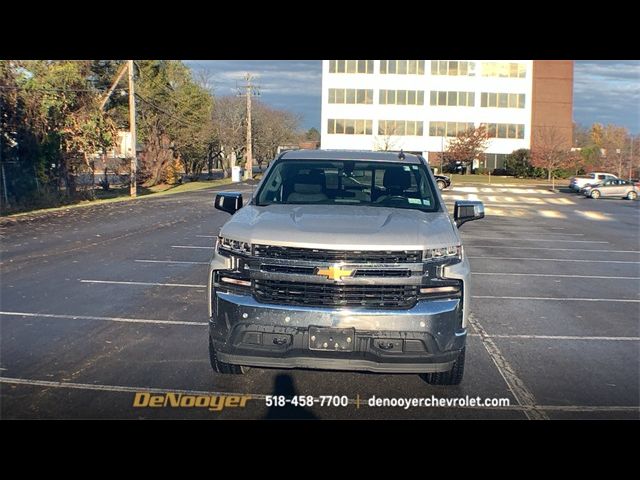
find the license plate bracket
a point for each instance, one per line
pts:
(331, 339)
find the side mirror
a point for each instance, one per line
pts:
(229, 202)
(467, 210)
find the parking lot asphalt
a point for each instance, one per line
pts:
(102, 302)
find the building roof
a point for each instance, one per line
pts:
(350, 155)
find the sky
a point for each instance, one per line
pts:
(605, 91)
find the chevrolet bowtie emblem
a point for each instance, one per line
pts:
(333, 273)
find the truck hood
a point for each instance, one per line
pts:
(341, 227)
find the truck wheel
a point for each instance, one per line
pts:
(221, 367)
(452, 377)
(441, 185)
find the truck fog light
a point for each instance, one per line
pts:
(439, 290)
(235, 281)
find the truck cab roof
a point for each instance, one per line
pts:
(364, 155)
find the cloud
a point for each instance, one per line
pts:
(293, 85)
(607, 92)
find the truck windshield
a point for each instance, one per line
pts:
(348, 182)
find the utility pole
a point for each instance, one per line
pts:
(123, 69)
(631, 157)
(2, 172)
(249, 91)
(132, 129)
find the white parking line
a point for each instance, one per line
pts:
(116, 388)
(513, 227)
(555, 260)
(534, 409)
(554, 249)
(566, 337)
(171, 261)
(191, 246)
(108, 319)
(511, 239)
(466, 235)
(554, 275)
(561, 299)
(517, 387)
(154, 284)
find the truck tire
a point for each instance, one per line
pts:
(452, 377)
(221, 367)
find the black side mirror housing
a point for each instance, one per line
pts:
(229, 202)
(467, 210)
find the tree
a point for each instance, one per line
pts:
(174, 119)
(518, 163)
(228, 124)
(467, 146)
(612, 142)
(272, 128)
(549, 151)
(62, 112)
(312, 135)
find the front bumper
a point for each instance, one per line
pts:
(425, 338)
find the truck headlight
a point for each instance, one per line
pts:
(227, 245)
(444, 253)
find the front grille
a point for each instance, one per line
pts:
(367, 272)
(351, 256)
(335, 295)
(382, 273)
(288, 269)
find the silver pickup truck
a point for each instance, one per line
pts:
(342, 260)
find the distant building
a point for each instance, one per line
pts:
(418, 105)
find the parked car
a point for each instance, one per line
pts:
(578, 182)
(613, 188)
(442, 181)
(342, 260)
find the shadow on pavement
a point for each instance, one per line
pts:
(283, 386)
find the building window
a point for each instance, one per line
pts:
(449, 129)
(453, 68)
(502, 100)
(402, 67)
(349, 126)
(401, 97)
(350, 66)
(400, 127)
(505, 130)
(350, 96)
(495, 160)
(504, 69)
(452, 99)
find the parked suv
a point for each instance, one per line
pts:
(612, 188)
(342, 260)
